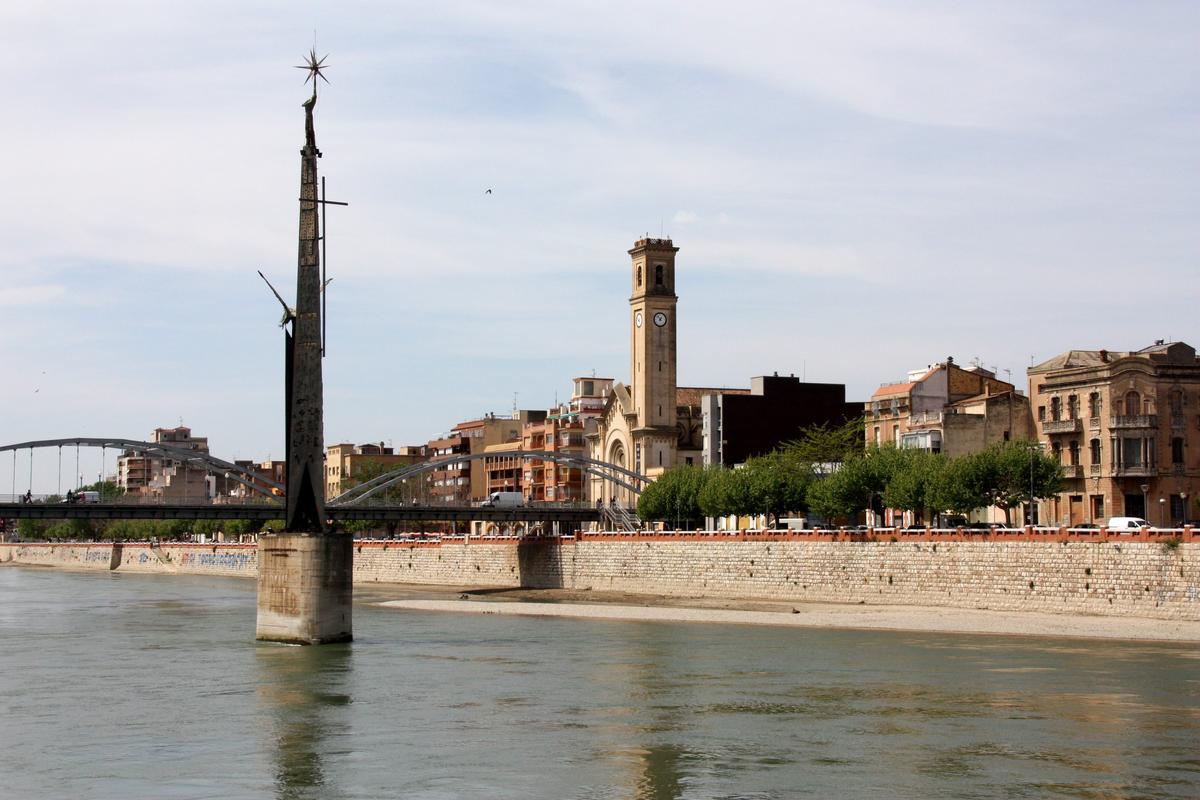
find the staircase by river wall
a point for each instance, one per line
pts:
(1122, 578)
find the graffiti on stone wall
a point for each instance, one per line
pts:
(233, 561)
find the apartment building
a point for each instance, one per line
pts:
(945, 408)
(1126, 428)
(467, 481)
(151, 474)
(345, 461)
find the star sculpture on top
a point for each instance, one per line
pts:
(314, 67)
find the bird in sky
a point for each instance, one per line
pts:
(487, 191)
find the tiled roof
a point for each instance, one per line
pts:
(895, 388)
(1075, 358)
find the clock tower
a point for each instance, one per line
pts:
(652, 353)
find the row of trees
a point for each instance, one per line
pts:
(829, 474)
(137, 529)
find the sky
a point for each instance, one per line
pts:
(857, 189)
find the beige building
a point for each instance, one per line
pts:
(652, 424)
(1126, 428)
(344, 461)
(151, 474)
(947, 409)
(560, 431)
(467, 481)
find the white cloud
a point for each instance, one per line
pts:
(685, 217)
(29, 295)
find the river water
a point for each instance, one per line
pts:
(132, 686)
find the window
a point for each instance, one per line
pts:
(1041, 413)
(1074, 452)
(1055, 408)
(1056, 450)
(1133, 404)
(1177, 401)
(1177, 450)
(1073, 407)
(658, 275)
(1131, 452)
(1094, 404)
(687, 460)
(1097, 507)
(876, 435)
(660, 458)
(639, 276)
(1095, 447)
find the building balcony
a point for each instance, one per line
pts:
(925, 418)
(1133, 421)
(1052, 426)
(1072, 471)
(1134, 471)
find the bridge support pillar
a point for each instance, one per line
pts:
(305, 585)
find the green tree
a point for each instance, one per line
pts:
(915, 483)
(778, 483)
(827, 444)
(674, 496)
(856, 482)
(32, 530)
(1005, 474)
(370, 469)
(77, 529)
(237, 527)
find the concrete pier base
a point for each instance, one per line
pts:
(305, 585)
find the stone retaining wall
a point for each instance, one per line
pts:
(1122, 578)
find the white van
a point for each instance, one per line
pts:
(504, 500)
(1127, 524)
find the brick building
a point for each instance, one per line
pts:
(1126, 428)
(344, 461)
(467, 481)
(151, 474)
(947, 409)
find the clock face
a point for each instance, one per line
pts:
(638, 319)
(660, 319)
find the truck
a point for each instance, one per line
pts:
(504, 500)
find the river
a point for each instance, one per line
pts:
(142, 686)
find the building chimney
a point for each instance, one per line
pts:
(1104, 356)
(949, 360)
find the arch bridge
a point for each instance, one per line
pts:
(258, 483)
(253, 481)
(633, 481)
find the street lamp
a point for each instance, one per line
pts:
(1183, 497)
(1162, 512)
(1145, 498)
